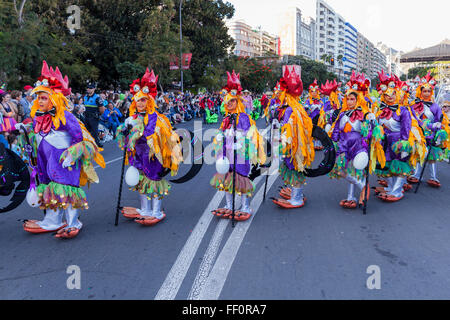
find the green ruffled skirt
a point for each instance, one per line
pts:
(291, 177)
(224, 182)
(56, 196)
(151, 188)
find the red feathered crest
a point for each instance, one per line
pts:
(329, 87)
(387, 81)
(291, 82)
(314, 85)
(54, 80)
(147, 84)
(233, 82)
(428, 79)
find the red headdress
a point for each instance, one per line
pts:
(52, 80)
(426, 82)
(291, 82)
(233, 83)
(314, 85)
(146, 85)
(329, 87)
(386, 81)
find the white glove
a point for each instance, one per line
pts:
(436, 125)
(371, 117)
(404, 155)
(128, 122)
(67, 161)
(19, 126)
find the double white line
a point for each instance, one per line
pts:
(210, 278)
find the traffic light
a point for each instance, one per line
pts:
(332, 61)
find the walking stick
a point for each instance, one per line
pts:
(267, 175)
(119, 207)
(423, 169)
(366, 193)
(234, 170)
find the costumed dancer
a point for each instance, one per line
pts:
(314, 107)
(296, 138)
(153, 149)
(398, 143)
(435, 126)
(250, 151)
(355, 125)
(64, 152)
(332, 105)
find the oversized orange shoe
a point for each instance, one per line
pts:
(149, 221)
(68, 233)
(286, 205)
(389, 198)
(434, 183)
(412, 180)
(382, 183)
(31, 227)
(130, 213)
(286, 193)
(348, 204)
(240, 216)
(407, 187)
(222, 213)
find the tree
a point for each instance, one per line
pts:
(419, 71)
(204, 25)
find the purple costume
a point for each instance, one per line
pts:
(51, 146)
(150, 167)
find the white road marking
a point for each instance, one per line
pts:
(177, 273)
(219, 273)
(210, 255)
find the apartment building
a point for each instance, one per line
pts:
(251, 42)
(330, 35)
(351, 49)
(297, 33)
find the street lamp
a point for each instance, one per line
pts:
(181, 50)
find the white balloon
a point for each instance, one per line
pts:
(223, 165)
(132, 176)
(361, 160)
(32, 198)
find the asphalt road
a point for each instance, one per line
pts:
(318, 252)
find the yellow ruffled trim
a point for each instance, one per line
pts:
(165, 145)
(296, 135)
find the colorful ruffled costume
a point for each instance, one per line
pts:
(250, 151)
(435, 126)
(332, 105)
(64, 150)
(399, 139)
(152, 148)
(351, 132)
(296, 138)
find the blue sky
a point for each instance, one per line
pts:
(401, 24)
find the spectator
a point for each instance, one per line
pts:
(7, 114)
(111, 118)
(26, 103)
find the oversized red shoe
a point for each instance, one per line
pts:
(31, 226)
(149, 221)
(382, 183)
(130, 213)
(348, 204)
(412, 180)
(286, 193)
(434, 183)
(222, 213)
(389, 198)
(286, 205)
(68, 233)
